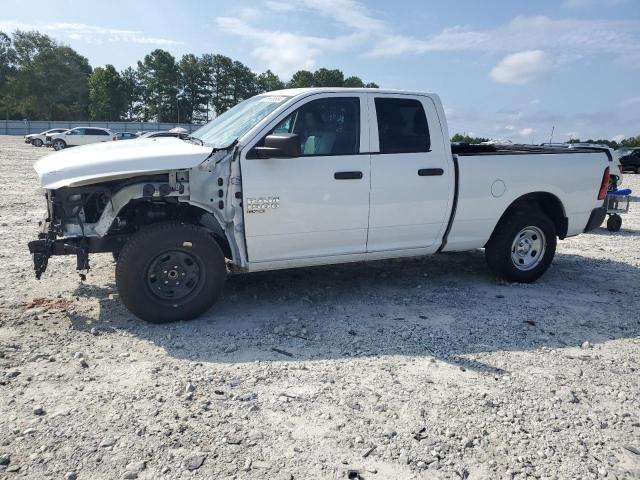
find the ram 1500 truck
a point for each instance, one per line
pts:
(304, 177)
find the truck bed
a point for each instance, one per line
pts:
(469, 150)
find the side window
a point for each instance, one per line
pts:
(402, 126)
(95, 131)
(77, 131)
(328, 126)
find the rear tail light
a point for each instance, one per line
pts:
(604, 186)
(114, 138)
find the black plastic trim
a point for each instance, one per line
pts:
(596, 218)
(454, 206)
(347, 175)
(430, 172)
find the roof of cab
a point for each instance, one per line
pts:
(292, 92)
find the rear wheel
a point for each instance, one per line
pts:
(170, 271)
(37, 142)
(522, 246)
(59, 144)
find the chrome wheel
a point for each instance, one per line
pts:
(527, 249)
(58, 145)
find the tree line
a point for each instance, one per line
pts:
(41, 79)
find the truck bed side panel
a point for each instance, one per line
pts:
(489, 184)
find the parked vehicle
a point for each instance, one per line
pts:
(38, 139)
(79, 136)
(164, 134)
(630, 159)
(304, 177)
(126, 136)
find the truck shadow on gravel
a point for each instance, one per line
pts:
(446, 306)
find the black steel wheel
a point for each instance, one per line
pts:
(170, 271)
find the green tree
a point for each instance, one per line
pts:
(219, 76)
(158, 75)
(132, 93)
(353, 82)
(268, 82)
(106, 94)
(324, 77)
(49, 81)
(302, 79)
(459, 138)
(372, 85)
(631, 142)
(193, 89)
(243, 83)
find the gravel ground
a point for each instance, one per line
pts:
(425, 368)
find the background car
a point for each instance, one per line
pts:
(38, 139)
(126, 136)
(630, 159)
(80, 136)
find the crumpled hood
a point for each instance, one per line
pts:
(100, 162)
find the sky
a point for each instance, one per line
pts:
(508, 69)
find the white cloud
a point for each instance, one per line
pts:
(522, 67)
(282, 52)
(630, 102)
(570, 38)
(88, 33)
(618, 138)
(526, 132)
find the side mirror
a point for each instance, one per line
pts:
(278, 145)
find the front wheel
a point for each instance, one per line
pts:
(522, 247)
(170, 271)
(37, 142)
(59, 145)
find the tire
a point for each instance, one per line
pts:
(152, 263)
(638, 170)
(522, 246)
(614, 222)
(59, 144)
(37, 142)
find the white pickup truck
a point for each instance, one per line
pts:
(309, 177)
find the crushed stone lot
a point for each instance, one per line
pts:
(423, 368)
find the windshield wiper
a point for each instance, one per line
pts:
(194, 139)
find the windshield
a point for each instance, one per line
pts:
(237, 121)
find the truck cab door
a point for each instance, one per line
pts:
(317, 204)
(411, 174)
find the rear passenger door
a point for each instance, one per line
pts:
(94, 135)
(411, 178)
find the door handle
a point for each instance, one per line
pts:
(430, 172)
(347, 175)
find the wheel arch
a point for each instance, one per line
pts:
(180, 211)
(547, 203)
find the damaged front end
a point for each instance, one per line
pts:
(70, 213)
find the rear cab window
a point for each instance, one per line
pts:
(402, 125)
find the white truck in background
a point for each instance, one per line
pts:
(304, 177)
